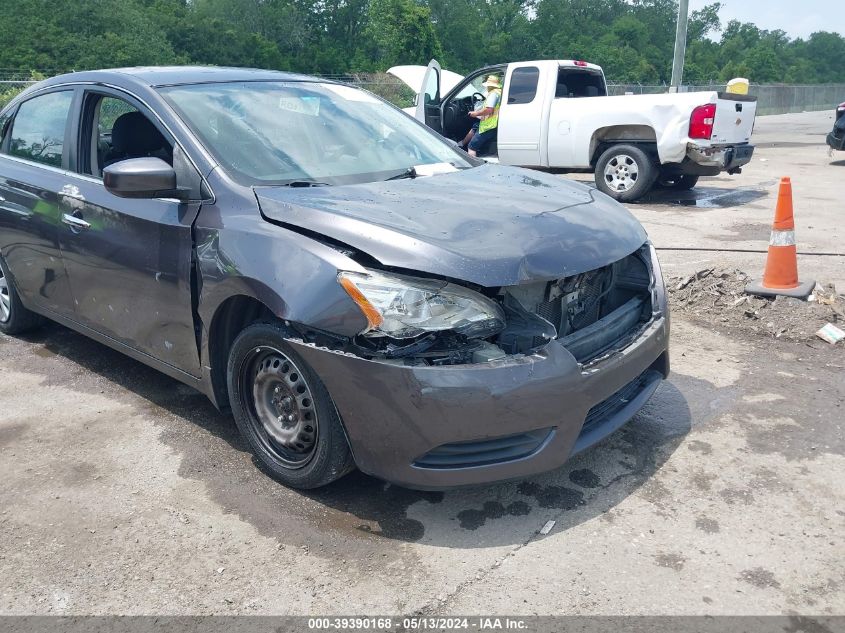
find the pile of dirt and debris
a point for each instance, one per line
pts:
(718, 296)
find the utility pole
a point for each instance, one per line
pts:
(680, 45)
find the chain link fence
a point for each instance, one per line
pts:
(771, 99)
(9, 88)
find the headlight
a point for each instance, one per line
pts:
(406, 307)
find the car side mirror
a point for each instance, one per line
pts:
(142, 178)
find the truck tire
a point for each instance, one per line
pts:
(284, 411)
(680, 182)
(14, 318)
(625, 172)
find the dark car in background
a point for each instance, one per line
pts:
(354, 288)
(836, 138)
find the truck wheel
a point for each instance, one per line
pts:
(283, 410)
(14, 318)
(625, 172)
(681, 182)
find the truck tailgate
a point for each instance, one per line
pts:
(734, 120)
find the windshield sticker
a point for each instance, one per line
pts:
(301, 105)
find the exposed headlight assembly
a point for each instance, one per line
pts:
(406, 307)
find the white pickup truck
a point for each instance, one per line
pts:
(556, 114)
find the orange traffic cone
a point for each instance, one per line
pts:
(781, 274)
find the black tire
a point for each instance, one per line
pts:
(14, 318)
(625, 172)
(680, 182)
(283, 410)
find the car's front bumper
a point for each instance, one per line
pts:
(836, 142)
(438, 427)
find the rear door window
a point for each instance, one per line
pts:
(579, 83)
(38, 129)
(523, 86)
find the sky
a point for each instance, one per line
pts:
(798, 19)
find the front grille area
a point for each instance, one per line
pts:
(610, 406)
(483, 452)
(591, 312)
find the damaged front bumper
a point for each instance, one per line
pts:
(434, 427)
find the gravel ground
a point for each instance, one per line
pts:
(717, 296)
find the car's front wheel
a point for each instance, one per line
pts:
(625, 172)
(284, 411)
(14, 318)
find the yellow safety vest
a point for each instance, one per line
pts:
(493, 120)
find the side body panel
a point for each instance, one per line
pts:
(30, 221)
(131, 270)
(578, 126)
(30, 216)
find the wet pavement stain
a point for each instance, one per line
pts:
(759, 577)
(670, 560)
(384, 505)
(697, 446)
(705, 524)
(585, 478)
(733, 496)
(703, 481)
(11, 432)
(747, 232)
(473, 519)
(704, 197)
(558, 497)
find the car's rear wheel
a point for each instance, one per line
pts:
(284, 411)
(14, 318)
(680, 182)
(625, 172)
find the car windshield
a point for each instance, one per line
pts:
(266, 133)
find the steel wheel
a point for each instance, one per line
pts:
(280, 406)
(621, 173)
(5, 299)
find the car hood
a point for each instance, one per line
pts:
(490, 225)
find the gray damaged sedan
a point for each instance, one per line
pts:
(355, 289)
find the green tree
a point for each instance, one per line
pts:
(398, 32)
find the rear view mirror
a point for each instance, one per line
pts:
(142, 178)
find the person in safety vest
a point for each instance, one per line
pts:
(488, 116)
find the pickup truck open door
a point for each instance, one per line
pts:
(430, 84)
(428, 99)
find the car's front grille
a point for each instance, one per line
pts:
(483, 452)
(608, 407)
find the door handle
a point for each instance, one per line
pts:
(75, 223)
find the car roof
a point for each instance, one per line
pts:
(156, 76)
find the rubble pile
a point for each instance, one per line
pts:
(717, 296)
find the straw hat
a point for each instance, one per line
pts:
(492, 82)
